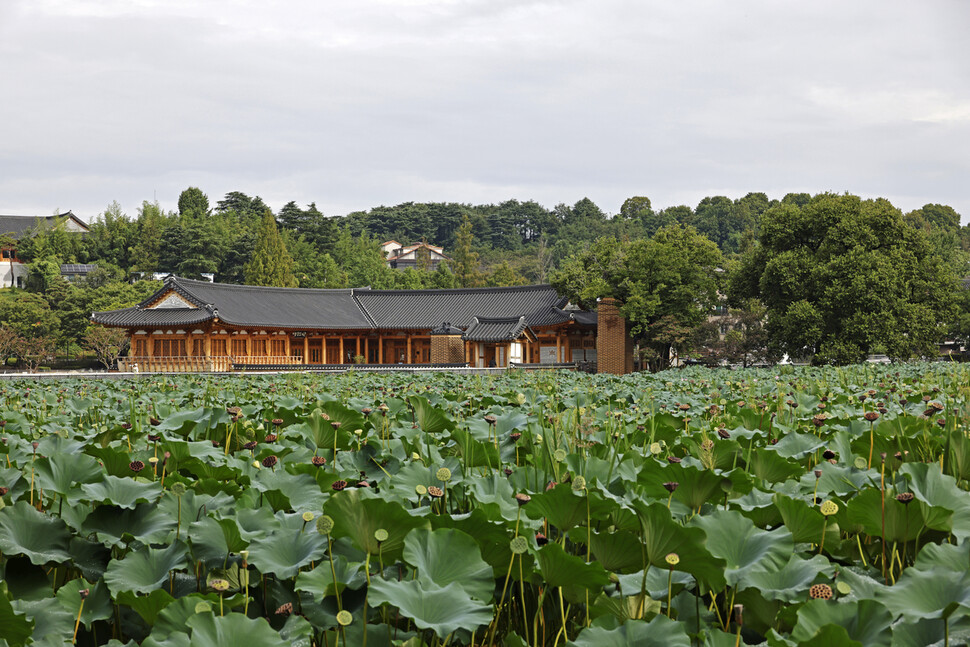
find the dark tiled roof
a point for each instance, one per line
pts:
(157, 317)
(494, 330)
(19, 225)
(428, 308)
(360, 309)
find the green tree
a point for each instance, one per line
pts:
(503, 275)
(667, 285)
(465, 260)
(151, 225)
(271, 264)
(193, 203)
(840, 276)
(362, 258)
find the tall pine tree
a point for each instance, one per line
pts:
(271, 264)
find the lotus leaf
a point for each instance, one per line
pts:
(866, 622)
(284, 552)
(144, 570)
(97, 604)
(359, 516)
(25, 531)
(446, 555)
(441, 609)
(659, 632)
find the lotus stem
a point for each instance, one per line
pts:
(670, 589)
(77, 623)
(498, 610)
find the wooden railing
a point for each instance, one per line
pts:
(184, 364)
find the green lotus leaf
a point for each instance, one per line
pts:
(172, 620)
(805, 522)
(298, 632)
(89, 557)
(24, 531)
(114, 460)
(939, 497)
(59, 472)
(17, 627)
(659, 632)
(932, 593)
(945, 556)
(902, 522)
(359, 515)
(97, 604)
(52, 622)
(301, 490)
(147, 606)
(211, 630)
(566, 508)
(695, 486)
(866, 622)
(662, 536)
(318, 431)
(770, 466)
(117, 526)
(320, 583)
(492, 537)
(931, 633)
(561, 569)
(473, 452)
(445, 556)
(797, 445)
(443, 610)
(494, 495)
(284, 552)
(745, 548)
(789, 582)
(839, 480)
(618, 552)
(122, 492)
(212, 540)
(430, 419)
(146, 569)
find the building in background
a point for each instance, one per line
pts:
(13, 272)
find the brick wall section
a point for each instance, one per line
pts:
(614, 347)
(447, 349)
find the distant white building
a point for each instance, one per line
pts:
(404, 256)
(13, 272)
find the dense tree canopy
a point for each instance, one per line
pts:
(842, 277)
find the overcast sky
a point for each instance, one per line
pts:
(357, 103)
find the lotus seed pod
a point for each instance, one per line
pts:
(325, 525)
(579, 483)
(519, 545)
(559, 455)
(820, 592)
(308, 517)
(203, 607)
(284, 609)
(905, 497)
(381, 535)
(136, 466)
(443, 474)
(828, 508)
(178, 489)
(344, 618)
(843, 588)
(522, 499)
(871, 416)
(256, 464)
(420, 490)
(219, 584)
(436, 492)
(860, 463)
(153, 460)
(520, 398)
(655, 448)
(415, 456)
(672, 559)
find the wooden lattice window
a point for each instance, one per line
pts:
(239, 348)
(259, 348)
(169, 348)
(279, 347)
(219, 348)
(141, 347)
(198, 347)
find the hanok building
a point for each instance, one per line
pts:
(418, 255)
(12, 270)
(193, 325)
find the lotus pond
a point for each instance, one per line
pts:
(814, 507)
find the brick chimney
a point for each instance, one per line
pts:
(447, 346)
(614, 346)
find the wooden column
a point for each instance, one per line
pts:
(408, 359)
(306, 350)
(566, 353)
(343, 357)
(380, 349)
(358, 348)
(366, 350)
(558, 346)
